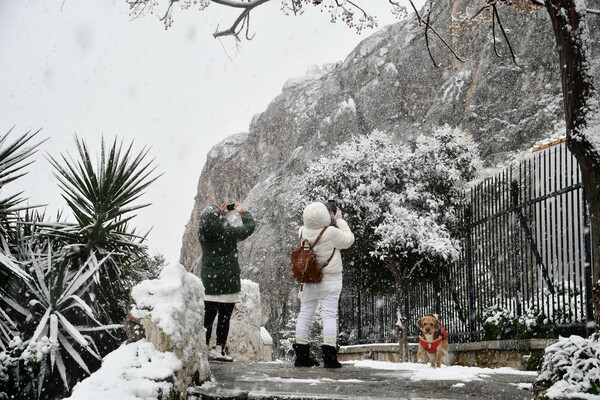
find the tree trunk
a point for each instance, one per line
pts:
(402, 319)
(579, 96)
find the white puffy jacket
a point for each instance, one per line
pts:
(316, 217)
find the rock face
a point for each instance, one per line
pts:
(388, 83)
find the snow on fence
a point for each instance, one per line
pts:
(525, 250)
(171, 357)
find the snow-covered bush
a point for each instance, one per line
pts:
(497, 322)
(501, 323)
(571, 369)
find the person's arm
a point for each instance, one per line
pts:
(247, 228)
(343, 238)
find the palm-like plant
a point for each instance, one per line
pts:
(48, 307)
(51, 320)
(14, 157)
(101, 196)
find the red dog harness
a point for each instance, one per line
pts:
(431, 347)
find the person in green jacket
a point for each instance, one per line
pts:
(220, 271)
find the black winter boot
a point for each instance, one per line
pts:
(330, 357)
(303, 356)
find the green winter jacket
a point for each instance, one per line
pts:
(220, 272)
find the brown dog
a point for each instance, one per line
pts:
(433, 340)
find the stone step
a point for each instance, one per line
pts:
(282, 381)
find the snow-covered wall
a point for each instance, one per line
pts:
(173, 355)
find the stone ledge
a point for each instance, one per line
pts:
(487, 354)
(512, 345)
(523, 344)
(377, 347)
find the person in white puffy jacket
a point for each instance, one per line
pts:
(316, 216)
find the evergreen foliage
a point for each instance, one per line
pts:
(64, 287)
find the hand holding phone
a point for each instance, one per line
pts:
(332, 206)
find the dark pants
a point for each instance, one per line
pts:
(224, 310)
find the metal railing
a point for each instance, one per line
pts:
(525, 248)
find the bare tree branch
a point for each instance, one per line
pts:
(494, 36)
(248, 28)
(232, 30)
(243, 18)
(512, 53)
(358, 8)
(240, 4)
(427, 27)
(224, 50)
(485, 7)
(169, 9)
(138, 7)
(435, 64)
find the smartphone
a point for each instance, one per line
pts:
(231, 207)
(332, 205)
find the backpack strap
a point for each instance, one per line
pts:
(319, 237)
(329, 259)
(315, 243)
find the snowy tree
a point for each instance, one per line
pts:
(401, 201)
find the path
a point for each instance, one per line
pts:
(366, 380)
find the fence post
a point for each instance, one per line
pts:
(589, 277)
(517, 256)
(359, 305)
(469, 260)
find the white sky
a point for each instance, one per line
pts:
(85, 68)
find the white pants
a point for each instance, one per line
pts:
(329, 311)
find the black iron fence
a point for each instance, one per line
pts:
(525, 251)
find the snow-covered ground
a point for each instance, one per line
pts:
(367, 379)
(422, 372)
(417, 372)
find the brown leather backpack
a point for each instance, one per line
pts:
(304, 262)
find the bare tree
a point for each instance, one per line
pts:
(569, 19)
(346, 10)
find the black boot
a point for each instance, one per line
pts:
(303, 356)
(330, 357)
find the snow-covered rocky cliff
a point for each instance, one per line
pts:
(388, 83)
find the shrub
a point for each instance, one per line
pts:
(60, 304)
(569, 367)
(501, 324)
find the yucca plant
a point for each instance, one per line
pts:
(55, 323)
(101, 194)
(57, 295)
(14, 157)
